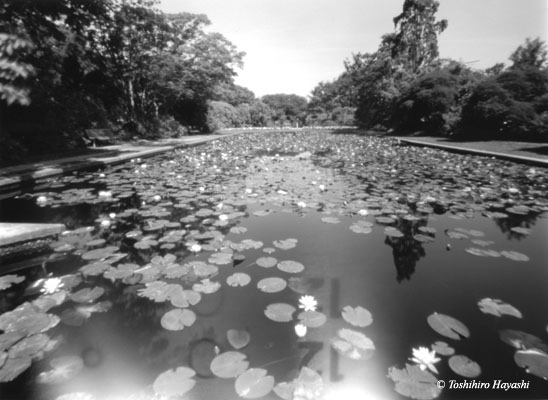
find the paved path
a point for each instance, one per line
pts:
(523, 152)
(24, 177)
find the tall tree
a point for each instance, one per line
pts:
(531, 54)
(415, 43)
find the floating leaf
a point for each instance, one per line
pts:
(463, 366)
(448, 326)
(238, 279)
(76, 396)
(443, 348)
(534, 361)
(353, 344)
(361, 227)
(229, 364)
(292, 267)
(238, 338)
(7, 280)
(98, 254)
(520, 230)
(174, 382)
(330, 220)
(27, 320)
(13, 367)
(514, 255)
(393, 232)
(357, 316)
(29, 346)
(176, 320)
(87, 295)
(415, 383)
(285, 244)
(522, 340)
(482, 252)
(280, 312)
(254, 383)
(206, 286)
(266, 262)
(238, 229)
(94, 269)
(202, 269)
(312, 319)
(498, 308)
(63, 369)
(271, 285)
(220, 258)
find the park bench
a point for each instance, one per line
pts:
(98, 136)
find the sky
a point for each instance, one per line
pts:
(292, 45)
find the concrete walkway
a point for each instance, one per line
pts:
(522, 152)
(15, 179)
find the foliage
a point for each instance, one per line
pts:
(288, 109)
(531, 54)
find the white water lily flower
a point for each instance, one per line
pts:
(157, 197)
(223, 217)
(105, 223)
(248, 191)
(301, 204)
(282, 192)
(300, 330)
(195, 248)
(112, 215)
(425, 359)
(41, 199)
(322, 187)
(363, 213)
(51, 285)
(308, 303)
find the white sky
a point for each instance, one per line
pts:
(292, 45)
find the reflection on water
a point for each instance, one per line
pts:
(117, 343)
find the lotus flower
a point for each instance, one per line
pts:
(425, 359)
(308, 303)
(300, 330)
(195, 248)
(52, 285)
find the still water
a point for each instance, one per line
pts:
(382, 237)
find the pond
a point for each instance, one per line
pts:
(300, 265)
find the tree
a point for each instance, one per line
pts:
(287, 108)
(531, 54)
(415, 44)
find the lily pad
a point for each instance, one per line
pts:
(87, 295)
(254, 383)
(7, 281)
(357, 316)
(94, 269)
(443, 348)
(238, 338)
(202, 269)
(238, 279)
(415, 383)
(289, 266)
(309, 384)
(522, 340)
(63, 369)
(514, 255)
(498, 308)
(285, 244)
(353, 344)
(393, 232)
(229, 364)
(266, 262)
(448, 326)
(29, 346)
(330, 220)
(280, 312)
(98, 254)
(220, 258)
(272, 285)
(176, 320)
(534, 361)
(312, 319)
(13, 367)
(206, 286)
(464, 366)
(174, 382)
